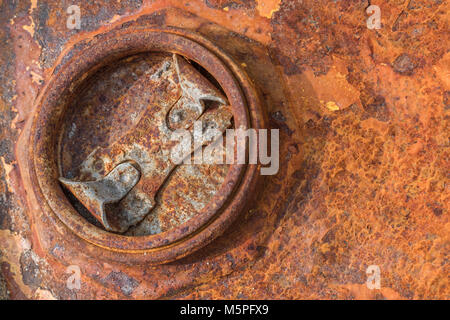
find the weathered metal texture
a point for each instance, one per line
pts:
(109, 190)
(161, 91)
(175, 94)
(364, 165)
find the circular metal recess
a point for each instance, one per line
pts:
(161, 64)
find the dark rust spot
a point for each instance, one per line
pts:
(404, 64)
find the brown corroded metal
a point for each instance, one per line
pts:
(222, 208)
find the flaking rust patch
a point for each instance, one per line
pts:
(115, 18)
(13, 245)
(266, 8)
(332, 106)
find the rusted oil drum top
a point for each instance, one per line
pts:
(104, 96)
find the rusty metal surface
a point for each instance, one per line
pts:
(97, 195)
(363, 179)
(175, 94)
(39, 149)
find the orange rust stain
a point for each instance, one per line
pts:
(361, 292)
(442, 69)
(333, 90)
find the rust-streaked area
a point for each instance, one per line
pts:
(364, 152)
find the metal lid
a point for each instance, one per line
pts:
(101, 143)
